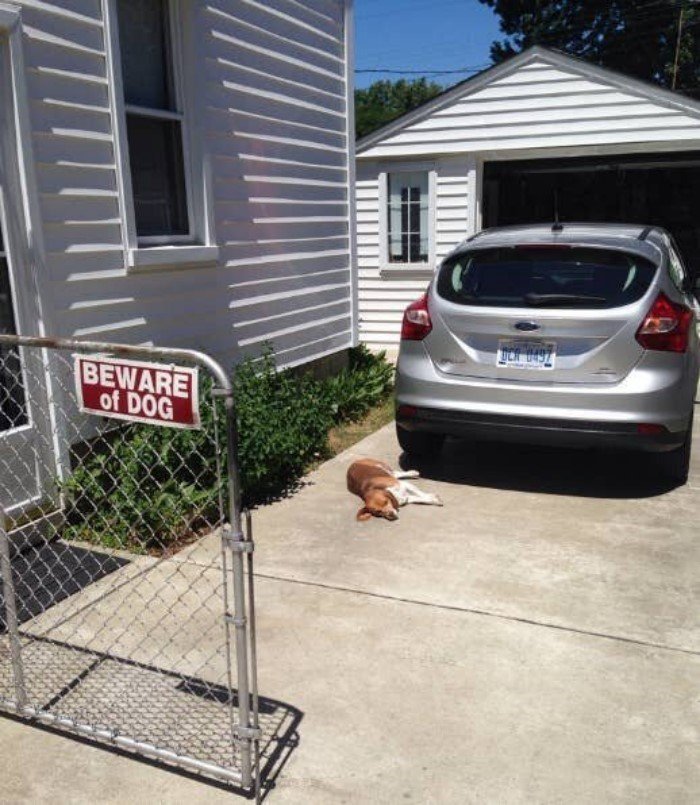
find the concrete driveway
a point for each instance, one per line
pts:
(535, 640)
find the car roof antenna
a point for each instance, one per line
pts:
(557, 226)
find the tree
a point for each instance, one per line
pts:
(637, 38)
(384, 101)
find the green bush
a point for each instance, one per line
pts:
(144, 487)
(283, 421)
(365, 383)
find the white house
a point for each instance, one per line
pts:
(172, 172)
(179, 172)
(507, 146)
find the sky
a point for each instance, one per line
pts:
(422, 35)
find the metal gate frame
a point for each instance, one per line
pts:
(237, 542)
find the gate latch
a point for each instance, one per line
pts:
(235, 540)
(234, 621)
(248, 733)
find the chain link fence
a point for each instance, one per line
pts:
(126, 595)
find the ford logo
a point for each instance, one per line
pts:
(526, 326)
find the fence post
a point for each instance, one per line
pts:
(247, 731)
(253, 655)
(11, 621)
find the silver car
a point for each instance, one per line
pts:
(575, 334)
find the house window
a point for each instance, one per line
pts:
(407, 216)
(154, 121)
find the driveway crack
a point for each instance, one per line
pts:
(485, 613)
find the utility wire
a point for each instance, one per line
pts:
(645, 13)
(649, 17)
(424, 72)
(649, 14)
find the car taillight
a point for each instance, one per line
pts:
(416, 322)
(666, 326)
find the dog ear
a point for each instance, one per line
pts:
(363, 514)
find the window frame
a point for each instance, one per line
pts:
(197, 247)
(394, 269)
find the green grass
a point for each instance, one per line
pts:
(349, 433)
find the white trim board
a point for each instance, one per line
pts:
(349, 48)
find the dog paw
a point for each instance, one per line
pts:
(437, 501)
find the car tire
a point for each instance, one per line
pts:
(675, 464)
(421, 445)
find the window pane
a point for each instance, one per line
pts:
(395, 232)
(408, 216)
(143, 43)
(157, 176)
(395, 249)
(398, 182)
(415, 220)
(13, 412)
(405, 221)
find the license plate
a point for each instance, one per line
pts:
(514, 354)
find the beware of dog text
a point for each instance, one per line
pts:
(141, 392)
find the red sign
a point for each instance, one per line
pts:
(139, 392)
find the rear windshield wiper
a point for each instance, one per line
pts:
(544, 299)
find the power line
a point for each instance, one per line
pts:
(423, 72)
(646, 14)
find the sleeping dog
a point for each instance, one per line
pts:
(384, 490)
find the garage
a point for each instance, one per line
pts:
(539, 135)
(661, 189)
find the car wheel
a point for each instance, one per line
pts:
(423, 445)
(675, 464)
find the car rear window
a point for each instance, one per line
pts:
(541, 276)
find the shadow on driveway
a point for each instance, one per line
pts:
(47, 574)
(551, 471)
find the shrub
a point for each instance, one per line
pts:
(283, 422)
(145, 487)
(142, 487)
(365, 383)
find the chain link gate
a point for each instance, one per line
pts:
(126, 594)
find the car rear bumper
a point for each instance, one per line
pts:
(532, 430)
(659, 391)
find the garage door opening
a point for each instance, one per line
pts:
(662, 189)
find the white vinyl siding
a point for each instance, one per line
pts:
(539, 106)
(268, 86)
(275, 88)
(452, 205)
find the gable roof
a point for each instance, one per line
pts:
(537, 53)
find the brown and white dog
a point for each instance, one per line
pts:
(383, 490)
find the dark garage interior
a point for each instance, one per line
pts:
(661, 189)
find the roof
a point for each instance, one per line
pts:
(646, 89)
(630, 237)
